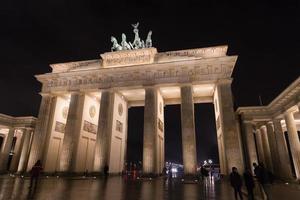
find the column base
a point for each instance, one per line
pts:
(190, 179)
(149, 175)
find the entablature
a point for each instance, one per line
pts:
(190, 71)
(287, 100)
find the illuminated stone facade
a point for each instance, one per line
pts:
(82, 122)
(15, 140)
(265, 126)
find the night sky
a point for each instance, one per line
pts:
(265, 35)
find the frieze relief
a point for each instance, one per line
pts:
(132, 76)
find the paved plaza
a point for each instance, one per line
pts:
(120, 188)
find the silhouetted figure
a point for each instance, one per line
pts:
(105, 171)
(164, 171)
(262, 176)
(204, 173)
(249, 182)
(35, 173)
(236, 183)
(170, 171)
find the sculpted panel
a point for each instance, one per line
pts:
(184, 72)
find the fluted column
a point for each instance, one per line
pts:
(17, 151)
(150, 126)
(283, 155)
(260, 149)
(294, 140)
(188, 131)
(266, 147)
(72, 133)
(38, 142)
(231, 135)
(25, 150)
(6, 149)
(273, 148)
(250, 144)
(104, 131)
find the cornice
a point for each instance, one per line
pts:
(17, 122)
(285, 101)
(175, 72)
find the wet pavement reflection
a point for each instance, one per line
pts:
(113, 188)
(133, 188)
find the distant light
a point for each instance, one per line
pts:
(94, 177)
(174, 170)
(210, 161)
(286, 183)
(182, 179)
(57, 176)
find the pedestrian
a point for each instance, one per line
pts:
(35, 173)
(236, 183)
(170, 171)
(164, 171)
(105, 170)
(249, 182)
(262, 177)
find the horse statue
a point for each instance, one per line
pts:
(125, 45)
(149, 40)
(137, 42)
(116, 46)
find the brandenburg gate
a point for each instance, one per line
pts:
(82, 121)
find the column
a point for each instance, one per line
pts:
(273, 148)
(153, 145)
(266, 147)
(260, 149)
(104, 131)
(294, 140)
(25, 150)
(17, 150)
(231, 135)
(72, 133)
(188, 131)
(250, 144)
(38, 142)
(6, 149)
(112, 133)
(283, 155)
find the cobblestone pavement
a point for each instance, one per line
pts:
(120, 188)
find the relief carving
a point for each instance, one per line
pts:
(89, 127)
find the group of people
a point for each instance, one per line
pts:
(261, 174)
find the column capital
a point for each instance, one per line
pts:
(248, 122)
(257, 131)
(79, 92)
(28, 128)
(291, 110)
(47, 94)
(186, 84)
(224, 81)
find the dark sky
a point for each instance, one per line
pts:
(35, 33)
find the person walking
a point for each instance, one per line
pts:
(105, 171)
(262, 177)
(249, 182)
(236, 183)
(35, 173)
